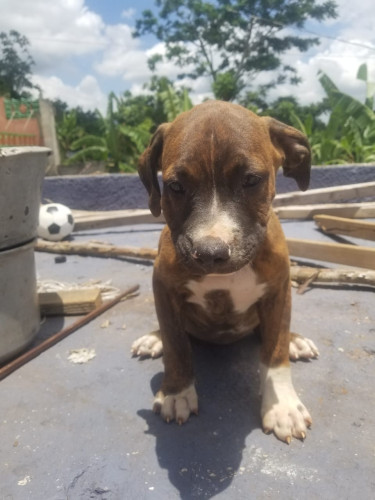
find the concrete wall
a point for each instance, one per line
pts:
(48, 128)
(122, 191)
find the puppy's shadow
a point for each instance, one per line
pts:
(203, 455)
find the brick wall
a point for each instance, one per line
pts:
(19, 124)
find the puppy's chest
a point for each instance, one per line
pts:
(223, 297)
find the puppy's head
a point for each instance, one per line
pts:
(218, 164)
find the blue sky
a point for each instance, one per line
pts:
(83, 49)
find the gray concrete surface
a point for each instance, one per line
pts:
(87, 431)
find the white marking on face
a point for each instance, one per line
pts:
(242, 285)
(216, 223)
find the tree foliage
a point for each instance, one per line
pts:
(117, 143)
(15, 65)
(349, 135)
(232, 40)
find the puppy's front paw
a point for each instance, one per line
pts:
(148, 346)
(302, 348)
(287, 419)
(177, 406)
(282, 411)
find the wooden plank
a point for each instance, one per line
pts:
(69, 302)
(306, 212)
(101, 220)
(326, 195)
(350, 255)
(347, 227)
(84, 220)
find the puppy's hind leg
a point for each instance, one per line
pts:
(149, 345)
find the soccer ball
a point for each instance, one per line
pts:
(55, 222)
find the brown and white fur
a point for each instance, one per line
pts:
(223, 267)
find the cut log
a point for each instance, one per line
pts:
(69, 302)
(301, 274)
(347, 227)
(84, 220)
(349, 255)
(306, 212)
(94, 249)
(332, 194)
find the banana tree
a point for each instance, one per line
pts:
(174, 102)
(350, 132)
(68, 132)
(120, 145)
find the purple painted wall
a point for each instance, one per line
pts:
(123, 191)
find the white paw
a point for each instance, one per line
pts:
(287, 419)
(302, 348)
(148, 345)
(282, 411)
(177, 406)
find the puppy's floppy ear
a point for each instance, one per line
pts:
(148, 166)
(294, 149)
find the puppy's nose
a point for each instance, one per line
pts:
(210, 249)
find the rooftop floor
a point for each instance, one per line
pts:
(72, 431)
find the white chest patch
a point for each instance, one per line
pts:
(242, 286)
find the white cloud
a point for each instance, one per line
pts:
(122, 56)
(339, 60)
(57, 30)
(87, 94)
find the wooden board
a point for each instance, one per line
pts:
(350, 255)
(306, 212)
(69, 302)
(347, 227)
(326, 195)
(84, 220)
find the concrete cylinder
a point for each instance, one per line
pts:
(21, 176)
(19, 309)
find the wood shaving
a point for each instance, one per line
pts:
(80, 356)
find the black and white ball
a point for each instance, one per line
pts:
(55, 222)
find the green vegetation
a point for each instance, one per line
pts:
(340, 128)
(232, 41)
(349, 135)
(123, 133)
(15, 65)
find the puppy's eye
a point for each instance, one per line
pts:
(251, 180)
(176, 187)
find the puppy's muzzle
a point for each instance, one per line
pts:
(210, 250)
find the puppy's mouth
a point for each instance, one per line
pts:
(213, 256)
